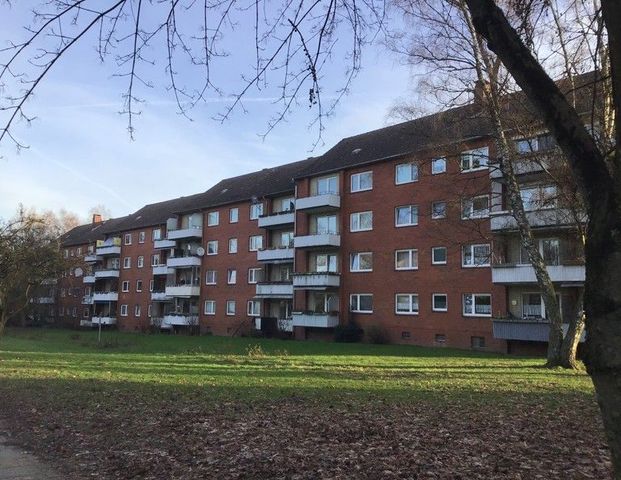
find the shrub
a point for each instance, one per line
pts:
(377, 335)
(349, 333)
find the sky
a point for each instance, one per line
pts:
(80, 154)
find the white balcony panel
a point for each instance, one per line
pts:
(175, 262)
(277, 220)
(107, 273)
(276, 255)
(185, 233)
(86, 323)
(539, 218)
(88, 279)
(316, 281)
(103, 321)
(319, 240)
(319, 202)
(284, 324)
(162, 270)
(160, 297)
(274, 290)
(87, 300)
(183, 291)
(180, 320)
(315, 320)
(164, 244)
(105, 297)
(43, 300)
(92, 258)
(526, 274)
(109, 250)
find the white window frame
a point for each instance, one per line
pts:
(155, 260)
(140, 261)
(137, 310)
(149, 310)
(256, 210)
(480, 154)
(209, 311)
(433, 255)
(251, 243)
(474, 297)
(127, 262)
(125, 286)
(214, 250)
(328, 179)
(252, 274)
(234, 215)
(124, 310)
(358, 255)
(357, 296)
(355, 182)
(213, 218)
(128, 239)
(156, 234)
(151, 285)
(253, 308)
(436, 160)
(471, 248)
(230, 312)
(413, 177)
(470, 214)
(231, 276)
(433, 302)
(139, 285)
(411, 207)
(434, 214)
(358, 216)
(142, 237)
(410, 252)
(233, 245)
(410, 296)
(215, 277)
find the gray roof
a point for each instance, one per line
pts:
(90, 232)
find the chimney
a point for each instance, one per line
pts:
(97, 218)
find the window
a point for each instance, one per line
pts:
(476, 207)
(326, 185)
(210, 307)
(230, 307)
(139, 285)
(406, 216)
(231, 277)
(473, 160)
(406, 304)
(254, 275)
(361, 182)
(79, 251)
(406, 173)
(234, 215)
(477, 304)
(141, 237)
(156, 234)
(212, 247)
(324, 224)
(361, 262)
(255, 243)
(361, 221)
(254, 308)
(140, 262)
(438, 255)
(123, 310)
(477, 342)
(149, 309)
(127, 262)
(286, 239)
(151, 285)
(439, 302)
(232, 245)
(213, 218)
(125, 286)
(438, 165)
(286, 204)
(128, 239)
(475, 255)
(361, 303)
(406, 259)
(85, 313)
(137, 310)
(326, 263)
(535, 144)
(155, 259)
(549, 248)
(211, 277)
(438, 210)
(256, 210)
(538, 197)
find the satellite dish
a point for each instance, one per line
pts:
(78, 272)
(200, 251)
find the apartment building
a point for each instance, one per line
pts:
(403, 229)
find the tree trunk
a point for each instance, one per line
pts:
(572, 337)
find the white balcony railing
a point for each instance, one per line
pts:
(43, 300)
(105, 297)
(183, 291)
(276, 255)
(193, 232)
(316, 280)
(107, 273)
(88, 279)
(179, 320)
(160, 297)
(277, 220)
(92, 258)
(526, 273)
(550, 217)
(317, 240)
(162, 270)
(319, 320)
(326, 201)
(274, 290)
(103, 320)
(164, 244)
(177, 262)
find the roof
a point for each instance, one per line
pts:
(90, 232)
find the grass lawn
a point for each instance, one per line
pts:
(63, 390)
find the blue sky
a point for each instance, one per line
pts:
(80, 154)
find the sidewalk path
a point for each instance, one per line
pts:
(15, 464)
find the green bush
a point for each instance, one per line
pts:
(377, 335)
(349, 333)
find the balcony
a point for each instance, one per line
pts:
(277, 220)
(510, 273)
(183, 291)
(86, 323)
(284, 324)
(318, 320)
(529, 164)
(103, 321)
(317, 240)
(111, 246)
(160, 297)
(276, 255)
(43, 300)
(274, 290)
(157, 244)
(525, 329)
(316, 280)
(552, 217)
(192, 232)
(180, 262)
(179, 319)
(107, 273)
(87, 300)
(319, 203)
(105, 297)
(88, 279)
(162, 270)
(92, 258)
